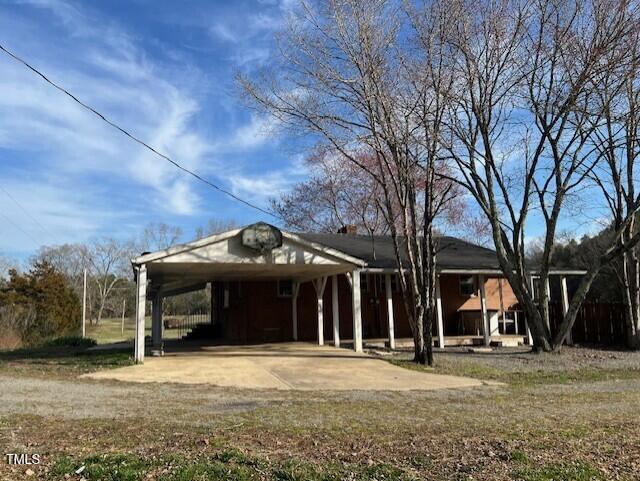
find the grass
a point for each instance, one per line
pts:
(110, 330)
(522, 377)
(227, 465)
(578, 471)
(61, 360)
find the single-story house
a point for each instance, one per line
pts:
(269, 285)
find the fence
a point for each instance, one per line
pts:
(181, 324)
(596, 322)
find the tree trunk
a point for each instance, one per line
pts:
(418, 338)
(631, 293)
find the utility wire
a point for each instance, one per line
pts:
(133, 137)
(36, 243)
(28, 214)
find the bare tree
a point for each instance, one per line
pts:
(521, 125)
(615, 138)
(337, 193)
(158, 236)
(215, 226)
(6, 264)
(346, 75)
(108, 261)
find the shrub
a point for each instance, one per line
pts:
(39, 305)
(72, 341)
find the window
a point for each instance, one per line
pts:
(467, 286)
(285, 288)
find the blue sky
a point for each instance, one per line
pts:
(165, 73)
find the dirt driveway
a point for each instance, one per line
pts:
(287, 366)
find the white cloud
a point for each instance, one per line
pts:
(85, 178)
(260, 187)
(258, 131)
(114, 76)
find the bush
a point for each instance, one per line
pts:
(38, 305)
(72, 341)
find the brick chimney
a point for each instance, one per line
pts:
(348, 229)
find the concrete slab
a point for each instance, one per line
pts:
(284, 366)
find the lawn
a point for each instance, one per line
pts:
(568, 417)
(111, 330)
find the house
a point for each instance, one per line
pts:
(270, 285)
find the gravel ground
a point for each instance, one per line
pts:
(471, 434)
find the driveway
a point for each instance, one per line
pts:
(300, 366)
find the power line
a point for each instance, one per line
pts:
(133, 137)
(28, 214)
(36, 243)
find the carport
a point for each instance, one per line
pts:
(259, 252)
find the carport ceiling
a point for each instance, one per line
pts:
(202, 272)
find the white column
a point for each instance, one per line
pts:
(486, 329)
(439, 316)
(84, 304)
(156, 324)
(294, 308)
(140, 313)
(548, 297)
(564, 292)
(335, 310)
(320, 284)
(357, 311)
(390, 326)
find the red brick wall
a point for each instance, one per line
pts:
(256, 313)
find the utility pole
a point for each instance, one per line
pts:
(124, 305)
(84, 302)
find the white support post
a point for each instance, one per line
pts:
(156, 325)
(503, 318)
(356, 296)
(84, 304)
(439, 316)
(335, 310)
(486, 329)
(547, 295)
(294, 308)
(390, 320)
(141, 293)
(564, 291)
(320, 284)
